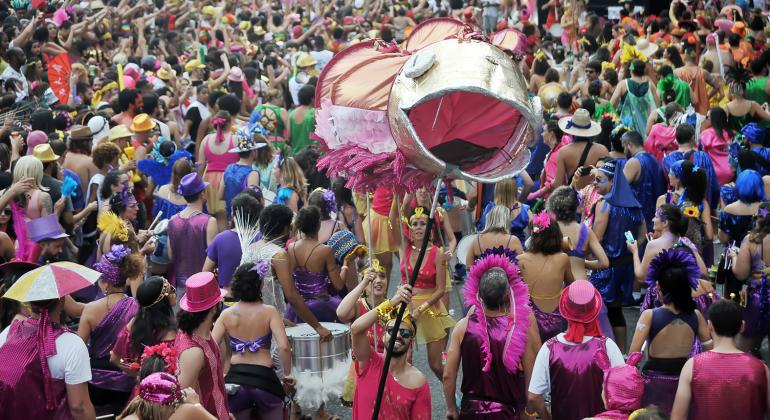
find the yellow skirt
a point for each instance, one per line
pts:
(382, 232)
(213, 203)
(716, 102)
(431, 325)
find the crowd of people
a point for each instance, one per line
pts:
(170, 148)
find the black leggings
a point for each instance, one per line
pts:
(615, 314)
(108, 398)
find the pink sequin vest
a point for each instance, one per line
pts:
(576, 379)
(726, 386)
(22, 380)
(211, 381)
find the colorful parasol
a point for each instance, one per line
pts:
(52, 281)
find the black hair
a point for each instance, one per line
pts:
(589, 105)
(552, 75)
(553, 126)
(117, 205)
(152, 364)
(595, 66)
(306, 95)
(386, 34)
(246, 285)
(674, 285)
(726, 316)
(193, 197)
(149, 103)
(274, 220)
(540, 67)
(563, 203)
(189, 321)
(547, 241)
(694, 182)
(633, 137)
(126, 98)
(595, 88)
(564, 100)
(665, 70)
(154, 316)
(316, 198)
(112, 178)
(677, 223)
(685, 133)
(229, 103)
(309, 220)
(637, 67)
(718, 118)
(247, 205)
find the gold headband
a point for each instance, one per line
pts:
(419, 213)
(164, 292)
(376, 266)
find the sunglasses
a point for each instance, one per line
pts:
(7, 212)
(403, 332)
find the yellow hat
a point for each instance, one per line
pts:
(209, 10)
(194, 65)
(164, 74)
(120, 132)
(259, 30)
(44, 153)
(142, 123)
(245, 25)
(306, 60)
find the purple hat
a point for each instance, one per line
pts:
(191, 184)
(35, 138)
(46, 227)
(202, 293)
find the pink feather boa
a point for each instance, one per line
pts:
(516, 340)
(26, 247)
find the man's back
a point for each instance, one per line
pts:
(570, 160)
(728, 385)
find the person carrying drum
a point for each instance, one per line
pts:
(407, 394)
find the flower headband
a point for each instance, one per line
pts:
(165, 351)
(661, 215)
(261, 267)
(329, 199)
(419, 213)
(161, 388)
(763, 212)
(109, 265)
(376, 266)
(541, 222)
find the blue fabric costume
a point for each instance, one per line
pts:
(729, 194)
(159, 167)
(702, 160)
(616, 283)
(650, 185)
(235, 180)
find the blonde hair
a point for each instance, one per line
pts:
(293, 177)
(507, 192)
(146, 410)
(29, 167)
(498, 220)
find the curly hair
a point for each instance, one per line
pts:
(246, 285)
(548, 241)
(563, 203)
(104, 154)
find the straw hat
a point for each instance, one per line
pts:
(306, 60)
(164, 74)
(194, 64)
(44, 153)
(119, 132)
(580, 124)
(259, 30)
(81, 132)
(142, 123)
(646, 47)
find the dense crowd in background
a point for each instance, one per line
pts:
(169, 146)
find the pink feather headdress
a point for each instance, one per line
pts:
(516, 337)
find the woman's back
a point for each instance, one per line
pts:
(489, 240)
(545, 276)
(248, 326)
(309, 256)
(217, 154)
(672, 334)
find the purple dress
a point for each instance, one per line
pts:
(187, 238)
(576, 378)
(103, 338)
(496, 394)
(314, 289)
(548, 323)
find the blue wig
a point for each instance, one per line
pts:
(676, 169)
(750, 187)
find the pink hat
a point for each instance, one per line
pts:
(202, 293)
(35, 138)
(236, 75)
(623, 385)
(581, 302)
(132, 70)
(296, 31)
(129, 82)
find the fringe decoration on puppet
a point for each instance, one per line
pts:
(516, 340)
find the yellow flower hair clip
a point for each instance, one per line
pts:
(376, 266)
(419, 213)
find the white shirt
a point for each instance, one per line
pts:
(322, 58)
(10, 73)
(70, 362)
(540, 383)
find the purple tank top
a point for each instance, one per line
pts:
(576, 379)
(103, 339)
(498, 385)
(188, 245)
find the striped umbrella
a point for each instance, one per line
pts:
(52, 281)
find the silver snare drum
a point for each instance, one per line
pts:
(310, 354)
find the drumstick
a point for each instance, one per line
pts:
(369, 239)
(154, 222)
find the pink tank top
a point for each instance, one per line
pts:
(216, 162)
(728, 375)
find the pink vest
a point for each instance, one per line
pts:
(726, 386)
(211, 381)
(23, 382)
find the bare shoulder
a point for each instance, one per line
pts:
(190, 411)
(414, 378)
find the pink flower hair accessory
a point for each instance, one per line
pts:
(541, 222)
(516, 337)
(163, 350)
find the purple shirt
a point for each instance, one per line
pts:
(225, 250)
